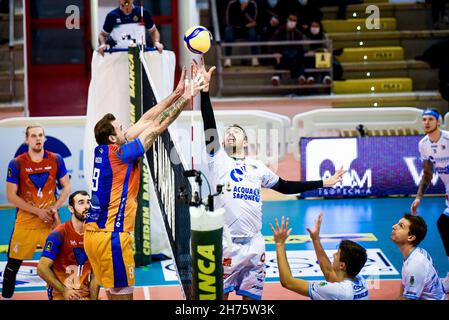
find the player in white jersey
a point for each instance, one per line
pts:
(243, 178)
(434, 151)
(420, 280)
(343, 281)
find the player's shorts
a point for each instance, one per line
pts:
(244, 266)
(111, 257)
(24, 241)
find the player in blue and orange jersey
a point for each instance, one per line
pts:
(31, 186)
(64, 264)
(115, 183)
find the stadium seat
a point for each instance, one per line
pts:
(354, 25)
(371, 54)
(373, 85)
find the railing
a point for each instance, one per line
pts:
(327, 44)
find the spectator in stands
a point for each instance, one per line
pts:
(292, 56)
(438, 13)
(272, 14)
(241, 21)
(316, 32)
(125, 20)
(436, 56)
(306, 12)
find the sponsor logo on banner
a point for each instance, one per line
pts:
(303, 263)
(377, 166)
(26, 277)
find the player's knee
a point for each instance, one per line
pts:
(12, 267)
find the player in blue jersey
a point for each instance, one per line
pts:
(128, 20)
(343, 281)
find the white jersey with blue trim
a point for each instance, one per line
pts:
(241, 198)
(438, 153)
(343, 290)
(420, 279)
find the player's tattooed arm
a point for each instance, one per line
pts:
(426, 178)
(162, 122)
(173, 111)
(149, 117)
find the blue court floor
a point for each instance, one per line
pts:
(366, 221)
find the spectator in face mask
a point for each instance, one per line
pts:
(316, 32)
(241, 21)
(292, 55)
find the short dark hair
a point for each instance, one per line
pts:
(245, 137)
(353, 255)
(104, 129)
(418, 228)
(73, 195)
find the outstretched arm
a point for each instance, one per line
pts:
(294, 187)
(323, 259)
(163, 120)
(210, 127)
(150, 116)
(281, 233)
(425, 181)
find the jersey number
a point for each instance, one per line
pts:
(95, 178)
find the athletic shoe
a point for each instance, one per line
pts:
(275, 81)
(327, 80)
(301, 80)
(310, 80)
(227, 63)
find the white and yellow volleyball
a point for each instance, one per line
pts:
(198, 39)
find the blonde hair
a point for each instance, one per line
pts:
(31, 126)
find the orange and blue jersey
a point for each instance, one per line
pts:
(115, 184)
(37, 184)
(70, 264)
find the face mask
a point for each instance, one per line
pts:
(272, 3)
(315, 31)
(303, 2)
(291, 24)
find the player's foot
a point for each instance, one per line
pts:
(227, 63)
(446, 283)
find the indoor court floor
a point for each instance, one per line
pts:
(367, 221)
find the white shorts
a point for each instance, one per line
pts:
(244, 266)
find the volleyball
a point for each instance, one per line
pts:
(198, 39)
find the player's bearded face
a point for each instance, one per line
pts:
(35, 139)
(234, 140)
(81, 208)
(430, 124)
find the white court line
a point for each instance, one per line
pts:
(146, 293)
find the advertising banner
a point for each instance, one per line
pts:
(377, 166)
